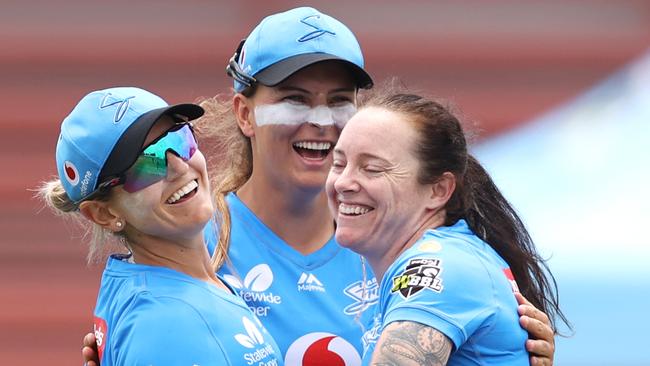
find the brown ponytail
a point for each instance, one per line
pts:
(441, 148)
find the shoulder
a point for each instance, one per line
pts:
(158, 329)
(150, 312)
(460, 255)
(439, 255)
(440, 283)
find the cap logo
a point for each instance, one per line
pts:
(122, 106)
(71, 173)
(313, 21)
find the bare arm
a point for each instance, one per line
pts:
(541, 342)
(409, 343)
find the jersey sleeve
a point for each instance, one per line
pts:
(448, 290)
(165, 331)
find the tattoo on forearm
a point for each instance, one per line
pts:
(410, 343)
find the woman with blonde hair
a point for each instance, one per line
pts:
(129, 166)
(296, 81)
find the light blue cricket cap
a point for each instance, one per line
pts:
(284, 43)
(103, 135)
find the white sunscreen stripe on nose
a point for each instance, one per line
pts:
(286, 113)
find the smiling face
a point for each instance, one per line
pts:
(300, 154)
(175, 208)
(372, 188)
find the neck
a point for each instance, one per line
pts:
(300, 217)
(188, 256)
(379, 262)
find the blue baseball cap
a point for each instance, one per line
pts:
(284, 43)
(103, 135)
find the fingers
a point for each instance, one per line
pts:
(89, 340)
(541, 342)
(521, 300)
(525, 308)
(89, 350)
(540, 361)
(532, 312)
(540, 348)
(537, 329)
(88, 355)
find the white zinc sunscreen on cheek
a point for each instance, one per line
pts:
(287, 113)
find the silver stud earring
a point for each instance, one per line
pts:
(119, 224)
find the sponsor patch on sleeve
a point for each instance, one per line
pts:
(511, 278)
(420, 274)
(101, 334)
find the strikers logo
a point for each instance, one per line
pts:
(419, 274)
(122, 105)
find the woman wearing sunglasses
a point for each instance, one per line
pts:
(296, 79)
(129, 165)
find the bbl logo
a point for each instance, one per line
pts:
(420, 273)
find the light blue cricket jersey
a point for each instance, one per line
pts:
(147, 315)
(454, 282)
(309, 303)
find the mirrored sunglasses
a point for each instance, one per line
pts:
(151, 165)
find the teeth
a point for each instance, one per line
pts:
(352, 210)
(189, 187)
(312, 145)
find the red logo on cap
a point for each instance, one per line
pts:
(71, 173)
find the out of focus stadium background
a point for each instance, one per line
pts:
(560, 92)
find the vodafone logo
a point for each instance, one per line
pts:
(71, 173)
(321, 349)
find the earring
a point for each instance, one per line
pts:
(119, 224)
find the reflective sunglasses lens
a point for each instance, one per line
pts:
(151, 165)
(146, 171)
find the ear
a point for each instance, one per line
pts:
(243, 108)
(442, 190)
(101, 214)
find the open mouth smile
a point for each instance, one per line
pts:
(184, 193)
(353, 210)
(312, 150)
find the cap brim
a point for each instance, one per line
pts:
(127, 149)
(276, 73)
